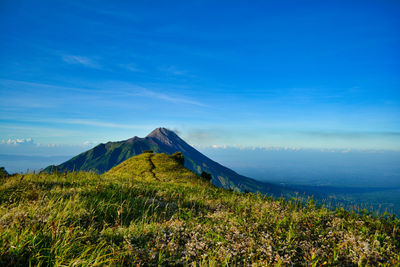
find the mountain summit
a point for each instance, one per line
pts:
(163, 134)
(161, 140)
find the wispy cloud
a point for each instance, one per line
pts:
(200, 136)
(97, 123)
(19, 127)
(27, 146)
(169, 98)
(173, 70)
(294, 149)
(130, 67)
(81, 60)
(18, 141)
(85, 122)
(349, 134)
(90, 143)
(103, 91)
(24, 143)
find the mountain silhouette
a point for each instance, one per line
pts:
(103, 157)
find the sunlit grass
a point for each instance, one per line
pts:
(159, 213)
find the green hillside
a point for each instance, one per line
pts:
(150, 167)
(150, 210)
(161, 140)
(104, 156)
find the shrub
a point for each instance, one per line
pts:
(3, 173)
(206, 176)
(179, 157)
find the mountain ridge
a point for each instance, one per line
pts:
(155, 167)
(103, 157)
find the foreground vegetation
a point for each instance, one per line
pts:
(150, 210)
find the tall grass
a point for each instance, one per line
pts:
(177, 219)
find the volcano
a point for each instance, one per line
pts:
(103, 157)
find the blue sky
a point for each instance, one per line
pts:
(306, 74)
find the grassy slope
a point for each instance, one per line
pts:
(103, 157)
(151, 210)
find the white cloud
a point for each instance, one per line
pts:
(74, 122)
(130, 67)
(27, 146)
(18, 141)
(80, 60)
(90, 143)
(98, 123)
(289, 148)
(120, 89)
(173, 99)
(219, 146)
(173, 70)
